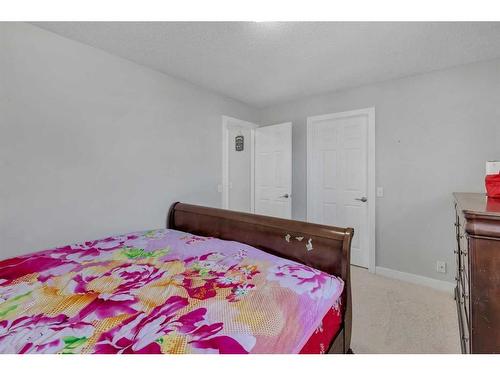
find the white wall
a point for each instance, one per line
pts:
(434, 133)
(91, 144)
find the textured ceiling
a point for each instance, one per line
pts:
(265, 63)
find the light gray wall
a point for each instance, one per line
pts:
(91, 144)
(434, 133)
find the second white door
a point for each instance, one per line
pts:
(337, 176)
(273, 170)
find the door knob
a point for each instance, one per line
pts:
(362, 199)
(285, 196)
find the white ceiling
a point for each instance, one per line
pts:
(266, 63)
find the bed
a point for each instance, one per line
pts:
(212, 281)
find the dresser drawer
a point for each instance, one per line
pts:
(458, 225)
(457, 249)
(463, 323)
(464, 262)
(463, 249)
(465, 296)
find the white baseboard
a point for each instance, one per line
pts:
(444, 286)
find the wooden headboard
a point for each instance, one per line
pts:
(319, 246)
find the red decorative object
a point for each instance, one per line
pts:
(492, 182)
(493, 204)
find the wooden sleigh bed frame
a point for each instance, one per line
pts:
(323, 247)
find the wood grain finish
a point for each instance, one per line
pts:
(478, 272)
(330, 245)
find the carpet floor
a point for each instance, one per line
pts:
(392, 316)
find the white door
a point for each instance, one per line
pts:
(237, 164)
(273, 170)
(337, 176)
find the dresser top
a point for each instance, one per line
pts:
(478, 204)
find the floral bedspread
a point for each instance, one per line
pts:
(160, 291)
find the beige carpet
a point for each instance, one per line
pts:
(392, 316)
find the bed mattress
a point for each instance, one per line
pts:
(165, 291)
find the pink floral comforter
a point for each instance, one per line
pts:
(160, 291)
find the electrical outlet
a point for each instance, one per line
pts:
(441, 266)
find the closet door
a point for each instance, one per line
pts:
(273, 170)
(337, 180)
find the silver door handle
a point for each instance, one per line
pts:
(285, 196)
(362, 199)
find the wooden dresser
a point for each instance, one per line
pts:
(477, 292)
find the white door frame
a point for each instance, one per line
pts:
(370, 113)
(225, 160)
